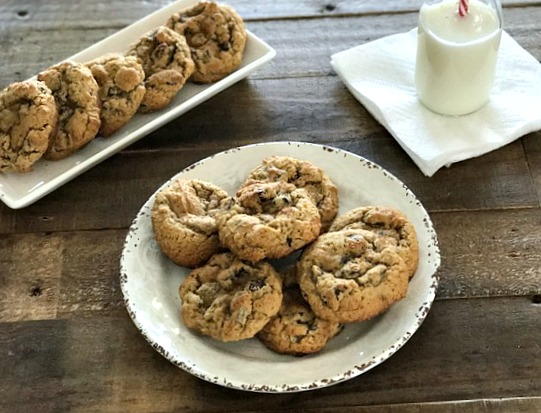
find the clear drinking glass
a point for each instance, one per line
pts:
(456, 55)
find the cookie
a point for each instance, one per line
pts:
(76, 95)
(296, 329)
(167, 63)
(269, 220)
(302, 174)
(121, 89)
(216, 36)
(229, 299)
(392, 228)
(28, 117)
(351, 275)
(183, 218)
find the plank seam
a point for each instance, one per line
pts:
(534, 398)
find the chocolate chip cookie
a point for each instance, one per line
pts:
(296, 329)
(351, 275)
(183, 218)
(229, 299)
(269, 220)
(76, 95)
(28, 117)
(391, 226)
(167, 63)
(121, 82)
(216, 36)
(302, 174)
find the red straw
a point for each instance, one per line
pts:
(463, 8)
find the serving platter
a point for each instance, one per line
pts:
(20, 190)
(150, 282)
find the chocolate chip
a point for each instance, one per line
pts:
(240, 273)
(256, 285)
(261, 194)
(345, 258)
(224, 46)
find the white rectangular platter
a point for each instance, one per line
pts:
(20, 190)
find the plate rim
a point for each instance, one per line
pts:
(355, 370)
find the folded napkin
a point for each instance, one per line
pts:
(380, 74)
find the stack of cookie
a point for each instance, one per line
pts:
(71, 103)
(352, 268)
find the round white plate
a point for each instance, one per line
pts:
(150, 283)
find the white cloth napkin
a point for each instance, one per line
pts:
(380, 74)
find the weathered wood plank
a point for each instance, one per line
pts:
(532, 147)
(317, 110)
(89, 282)
(104, 364)
(120, 186)
(29, 276)
(52, 14)
(491, 253)
(29, 50)
(515, 405)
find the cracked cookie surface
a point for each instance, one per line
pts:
(350, 275)
(28, 117)
(269, 220)
(183, 218)
(121, 89)
(296, 329)
(216, 36)
(167, 63)
(76, 95)
(229, 299)
(391, 226)
(302, 174)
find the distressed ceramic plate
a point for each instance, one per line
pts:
(150, 283)
(20, 190)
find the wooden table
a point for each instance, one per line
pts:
(66, 340)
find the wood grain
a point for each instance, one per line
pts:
(466, 349)
(77, 272)
(30, 267)
(532, 148)
(124, 12)
(489, 253)
(29, 49)
(515, 405)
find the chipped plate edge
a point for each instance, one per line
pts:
(356, 370)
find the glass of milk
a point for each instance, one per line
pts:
(456, 55)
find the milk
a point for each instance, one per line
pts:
(456, 56)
